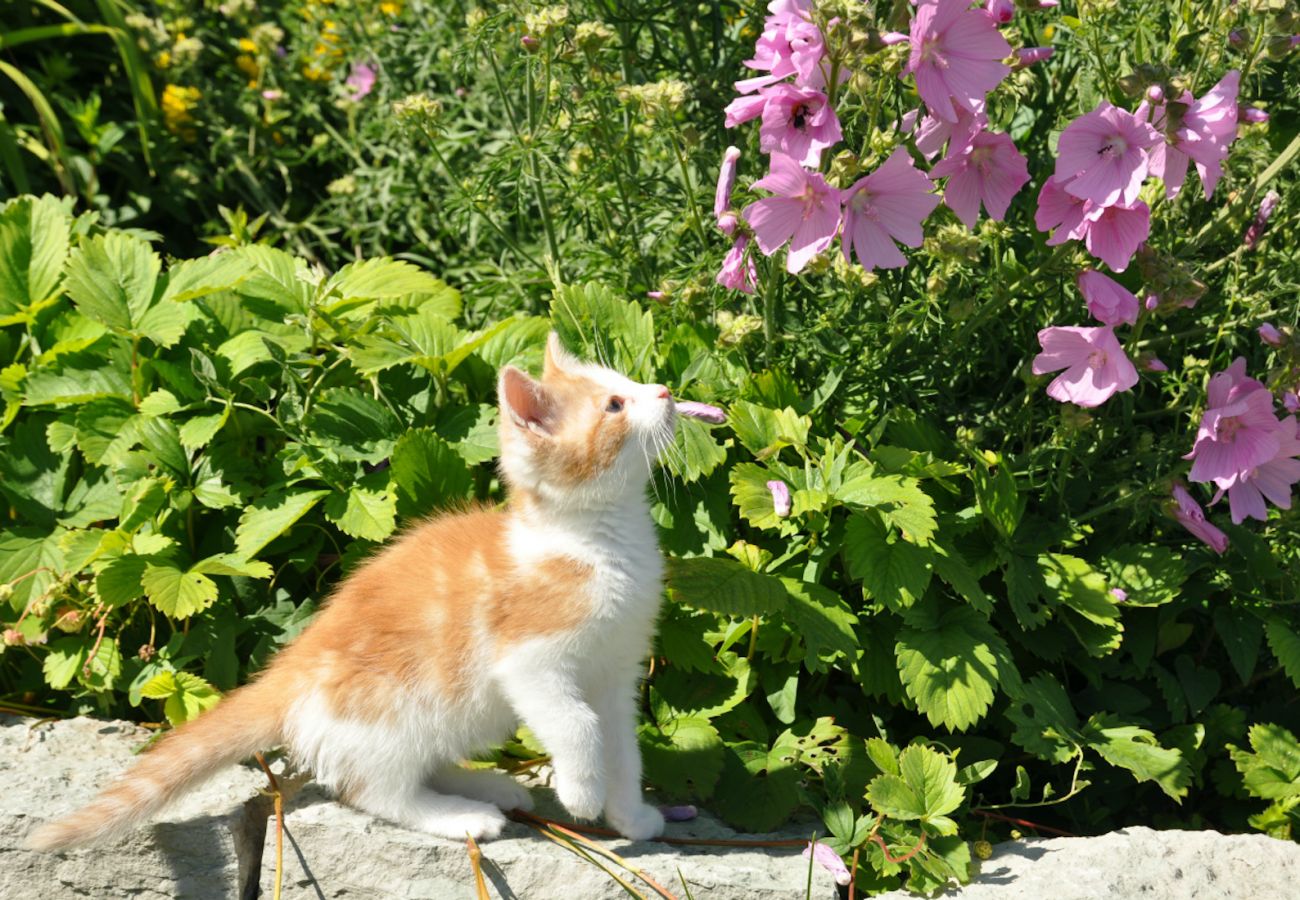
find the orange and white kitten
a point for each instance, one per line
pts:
(439, 645)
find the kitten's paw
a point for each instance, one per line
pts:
(641, 823)
(582, 798)
(505, 793)
(482, 825)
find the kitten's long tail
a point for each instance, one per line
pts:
(246, 721)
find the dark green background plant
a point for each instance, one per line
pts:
(194, 449)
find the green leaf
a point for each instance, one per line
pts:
(69, 658)
(926, 789)
(1241, 634)
(77, 378)
(596, 324)
(949, 664)
(428, 473)
(248, 348)
(976, 772)
(229, 564)
(893, 571)
(1025, 592)
(898, 499)
(1074, 584)
(758, 790)
(750, 493)
(354, 425)
(472, 432)
(697, 453)
(271, 517)
(1045, 721)
(200, 430)
(724, 586)
(120, 582)
(383, 277)
(683, 757)
(1272, 772)
(1285, 644)
(998, 499)
(106, 430)
(193, 278)
(363, 513)
(111, 277)
(175, 593)
(1149, 575)
(161, 402)
(33, 246)
(822, 619)
(707, 695)
(185, 695)
(952, 567)
(764, 431)
(1137, 750)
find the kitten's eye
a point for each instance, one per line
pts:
(615, 405)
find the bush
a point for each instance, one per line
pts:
(908, 588)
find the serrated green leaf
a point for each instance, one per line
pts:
(1137, 750)
(248, 348)
(683, 757)
(193, 278)
(707, 695)
(229, 564)
(1025, 591)
(998, 498)
(949, 664)
(822, 620)
(1045, 721)
(1074, 584)
(952, 567)
(893, 571)
(161, 402)
(119, 582)
(1241, 634)
(382, 277)
(724, 586)
(1149, 575)
(594, 323)
(697, 452)
(271, 517)
(899, 500)
(1273, 770)
(757, 791)
(428, 473)
(111, 278)
(175, 593)
(1285, 644)
(198, 431)
(33, 246)
(70, 659)
(763, 431)
(185, 695)
(750, 493)
(354, 425)
(363, 513)
(926, 789)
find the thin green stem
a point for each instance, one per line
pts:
(686, 183)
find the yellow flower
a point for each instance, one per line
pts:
(164, 59)
(177, 102)
(390, 8)
(247, 65)
(247, 46)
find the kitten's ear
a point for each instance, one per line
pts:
(557, 358)
(526, 402)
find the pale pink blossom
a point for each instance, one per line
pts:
(1238, 431)
(1060, 210)
(1119, 594)
(990, 171)
(1271, 480)
(799, 122)
(738, 272)
(1202, 133)
(702, 411)
(743, 108)
(361, 81)
(1029, 56)
(886, 206)
(933, 132)
(956, 56)
(1190, 515)
(1095, 364)
(829, 860)
(1152, 363)
(727, 223)
(726, 182)
(1000, 11)
(1291, 401)
(1269, 334)
(1252, 115)
(803, 210)
(1114, 233)
(1109, 301)
(789, 45)
(780, 492)
(1102, 155)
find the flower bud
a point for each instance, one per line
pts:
(1238, 38)
(780, 498)
(1256, 229)
(529, 43)
(1000, 11)
(1269, 334)
(1291, 401)
(13, 637)
(1152, 363)
(726, 182)
(1156, 94)
(1252, 116)
(1028, 56)
(679, 813)
(727, 223)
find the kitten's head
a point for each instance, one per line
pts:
(583, 434)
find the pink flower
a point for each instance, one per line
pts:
(1271, 480)
(1202, 133)
(272, 94)
(737, 272)
(780, 492)
(679, 813)
(956, 56)
(933, 132)
(1094, 362)
(1109, 301)
(798, 121)
(990, 170)
(726, 181)
(1269, 334)
(1153, 363)
(1114, 233)
(1028, 56)
(1190, 515)
(1103, 155)
(829, 860)
(1291, 401)
(890, 203)
(1265, 212)
(727, 223)
(1060, 210)
(805, 211)
(1119, 594)
(1238, 432)
(744, 108)
(361, 81)
(789, 45)
(702, 411)
(1252, 116)
(1000, 11)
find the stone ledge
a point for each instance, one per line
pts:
(215, 843)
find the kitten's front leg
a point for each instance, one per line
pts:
(551, 704)
(625, 806)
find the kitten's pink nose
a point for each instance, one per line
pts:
(662, 392)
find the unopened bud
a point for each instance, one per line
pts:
(1269, 334)
(1156, 94)
(1252, 116)
(780, 498)
(1028, 56)
(1000, 11)
(529, 43)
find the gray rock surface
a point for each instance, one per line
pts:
(216, 843)
(1136, 863)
